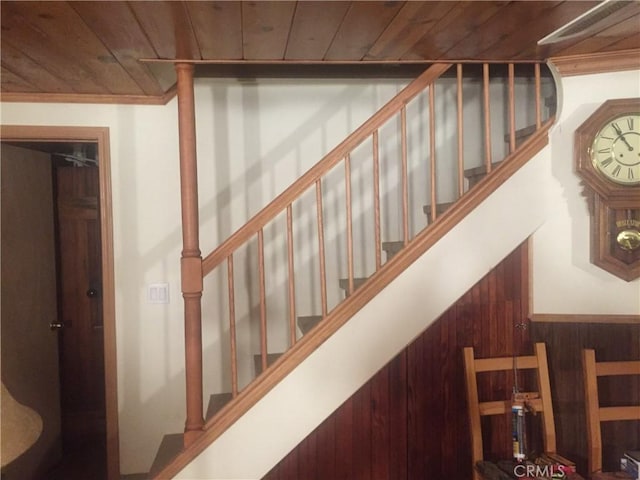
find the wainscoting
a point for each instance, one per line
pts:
(611, 342)
(410, 420)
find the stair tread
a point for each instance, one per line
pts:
(440, 208)
(307, 322)
(357, 283)
(479, 170)
(169, 448)
(257, 361)
(521, 133)
(216, 402)
(392, 248)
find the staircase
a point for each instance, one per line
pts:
(326, 346)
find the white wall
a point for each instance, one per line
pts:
(564, 280)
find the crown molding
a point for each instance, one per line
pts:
(585, 64)
(29, 97)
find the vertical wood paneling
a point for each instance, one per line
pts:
(565, 342)
(380, 414)
(409, 421)
(344, 446)
(362, 428)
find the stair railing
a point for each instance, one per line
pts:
(194, 269)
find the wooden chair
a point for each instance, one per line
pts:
(597, 414)
(477, 409)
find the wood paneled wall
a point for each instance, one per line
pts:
(410, 420)
(611, 342)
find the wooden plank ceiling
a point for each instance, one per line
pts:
(109, 48)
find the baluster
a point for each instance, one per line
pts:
(292, 284)
(323, 274)
(512, 109)
(376, 200)
(263, 302)
(460, 133)
(232, 327)
(487, 118)
(191, 261)
(538, 95)
(432, 148)
(347, 179)
(405, 187)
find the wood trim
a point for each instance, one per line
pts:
(544, 387)
(317, 171)
(28, 97)
(594, 439)
(606, 369)
(611, 414)
(473, 409)
(505, 363)
(587, 64)
(288, 361)
(500, 407)
(584, 318)
(100, 135)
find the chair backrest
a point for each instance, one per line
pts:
(477, 409)
(597, 414)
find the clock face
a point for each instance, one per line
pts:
(615, 151)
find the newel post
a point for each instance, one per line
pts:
(191, 261)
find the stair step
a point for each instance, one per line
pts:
(392, 248)
(440, 209)
(521, 135)
(306, 323)
(474, 175)
(216, 402)
(169, 448)
(357, 283)
(257, 361)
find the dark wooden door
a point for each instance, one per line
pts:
(80, 300)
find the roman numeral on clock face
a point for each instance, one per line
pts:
(617, 128)
(606, 162)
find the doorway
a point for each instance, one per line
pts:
(85, 283)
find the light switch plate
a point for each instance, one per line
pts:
(158, 293)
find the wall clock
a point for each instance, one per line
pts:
(607, 159)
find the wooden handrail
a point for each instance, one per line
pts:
(307, 180)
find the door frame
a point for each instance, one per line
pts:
(100, 136)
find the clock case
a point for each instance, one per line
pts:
(613, 207)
